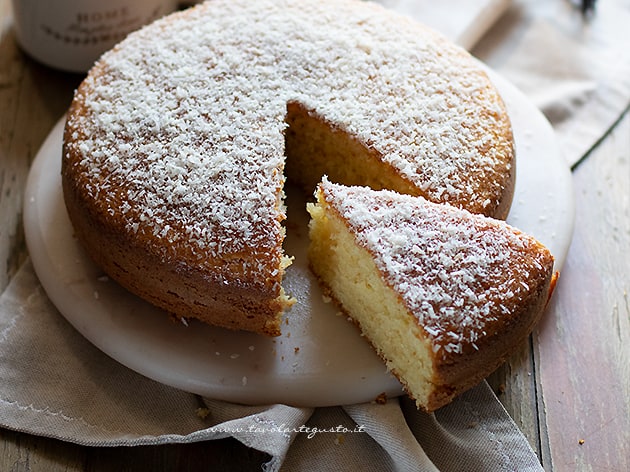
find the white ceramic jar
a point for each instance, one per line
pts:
(72, 34)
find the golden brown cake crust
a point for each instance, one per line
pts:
(172, 277)
(456, 374)
(174, 148)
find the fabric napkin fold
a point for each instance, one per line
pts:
(56, 384)
(462, 21)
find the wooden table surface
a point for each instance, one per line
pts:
(568, 388)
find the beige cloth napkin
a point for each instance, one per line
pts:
(56, 384)
(462, 21)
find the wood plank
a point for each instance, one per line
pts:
(25, 453)
(32, 99)
(222, 454)
(582, 351)
(514, 383)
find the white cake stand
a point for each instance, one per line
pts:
(320, 359)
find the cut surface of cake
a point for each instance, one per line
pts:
(175, 143)
(443, 295)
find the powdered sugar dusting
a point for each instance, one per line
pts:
(181, 131)
(453, 270)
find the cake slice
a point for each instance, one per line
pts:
(443, 295)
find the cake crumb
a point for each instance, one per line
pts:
(501, 389)
(202, 413)
(381, 399)
(178, 319)
(581, 441)
(296, 350)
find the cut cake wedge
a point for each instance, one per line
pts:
(443, 295)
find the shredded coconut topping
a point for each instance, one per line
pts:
(455, 271)
(180, 131)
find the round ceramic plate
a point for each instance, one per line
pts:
(320, 359)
